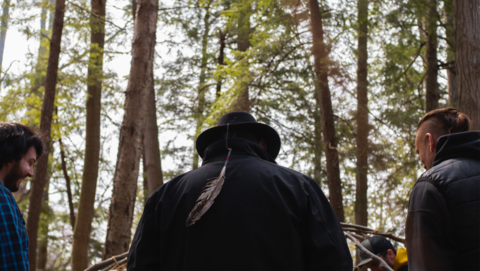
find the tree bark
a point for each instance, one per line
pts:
(43, 238)
(361, 204)
(221, 59)
(451, 74)
(151, 146)
(45, 129)
(86, 208)
(132, 130)
(317, 164)
(243, 43)
(361, 199)
(67, 184)
(3, 32)
(431, 83)
(321, 59)
(467, 58)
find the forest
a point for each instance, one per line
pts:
(121, 89)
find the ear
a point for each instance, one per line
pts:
(262, 144)
(431, 141)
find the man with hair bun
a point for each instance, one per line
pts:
(20, 147)
(443, 222)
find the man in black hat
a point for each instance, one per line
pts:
(380, 246)
(253, 215)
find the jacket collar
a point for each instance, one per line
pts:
(240, 146)
(458, 145)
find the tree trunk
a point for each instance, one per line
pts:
(67, 184)
(243, 43)
(431, 84)
(43, 238)
(361, 199)
(132, 130)
(361, 204)
(221, 59)
(45, 129)
(320, 55)
(467, 58)
(3, 32)
(451, 74)
(317, 164)
(152, 159)
(86, 208)
(201, 86)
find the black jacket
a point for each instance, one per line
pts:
(266, 217)
(443, 222)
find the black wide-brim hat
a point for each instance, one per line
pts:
(240, 121)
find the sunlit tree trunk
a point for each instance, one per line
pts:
(202, 88)
(132, 130)
(467, 58)
(431, 83)
(451, 74)
(83, 224)
(45, 128)
(320, 54)
(243, 102)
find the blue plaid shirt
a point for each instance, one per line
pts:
(13, 236)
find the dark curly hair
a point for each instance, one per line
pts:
(15, 141)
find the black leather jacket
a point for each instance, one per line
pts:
(443, 222)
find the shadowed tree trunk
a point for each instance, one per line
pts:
(221, 59)
(467, 58)
(317, 164)
(83, 226)
(361, 216)
(67, 184)
(132, 130)
(321, 59)
(202, 88)
(152, 159)
(45, 128)
(361, 199)
(451, 74)
(431, 83)
(243, 43)
(43, 238)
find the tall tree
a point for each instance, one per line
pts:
(43, 238)
(152, 159)
(431, 83)
(83, 224)
(243, 102)
(361, 204)
(467, 58)
(45, 127)
(132, 130)
(450, 35)
(202, 87)
(3, 31)
(321, 60)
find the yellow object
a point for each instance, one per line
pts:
(401, 258)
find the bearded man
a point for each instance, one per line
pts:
(443, 222)
(20, 147)
(252, 214)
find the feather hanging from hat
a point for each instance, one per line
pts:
(209, 193)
